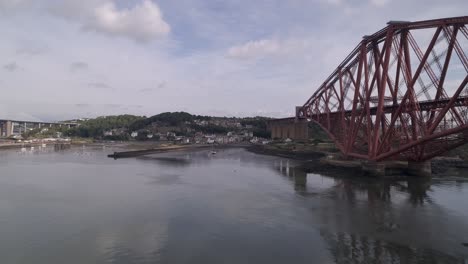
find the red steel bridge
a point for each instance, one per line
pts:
(401, 94)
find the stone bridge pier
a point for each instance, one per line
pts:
(292, 128)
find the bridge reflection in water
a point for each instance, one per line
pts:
(350, 248)
(367, 220)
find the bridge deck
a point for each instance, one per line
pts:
(421, 106)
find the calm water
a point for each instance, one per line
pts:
(78, 206)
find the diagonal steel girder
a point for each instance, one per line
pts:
(386, 77)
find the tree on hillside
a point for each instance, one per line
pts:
(167, 119)
(96, 127)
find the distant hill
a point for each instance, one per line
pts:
(96, 127)
(120, 127)
(167, 119)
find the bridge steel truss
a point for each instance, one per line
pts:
(401, 94)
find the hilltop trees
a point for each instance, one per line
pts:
(258, 124)
(167, 119)
(96, 127)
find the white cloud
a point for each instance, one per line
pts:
(72, 9)
(143, 22)
(78, 66)
(281, 58)
(379, 3)
(334, 2)
(284, 48)
(254, 49)
(100, 85)
(10, 4)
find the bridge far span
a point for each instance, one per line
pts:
(10, 128)
(401, 94)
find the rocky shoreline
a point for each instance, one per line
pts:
(314, 159)
(292, 154)
(331, 162)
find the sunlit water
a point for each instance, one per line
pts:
(78, 206)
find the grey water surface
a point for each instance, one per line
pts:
(78, 206)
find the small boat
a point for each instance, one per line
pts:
(44, 145)
(213, 152)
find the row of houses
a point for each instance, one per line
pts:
(197, 138)
(228, 123)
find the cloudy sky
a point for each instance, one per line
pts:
(63, 59)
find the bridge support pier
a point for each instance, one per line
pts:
(373, 168)
(423, 168)
(296, 129)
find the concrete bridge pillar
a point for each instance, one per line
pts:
(373, 168)
(8, 128)
(292, 128)
(300, 181)
(422, 168)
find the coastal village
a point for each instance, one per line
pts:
(184, 134)
(172, 128)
